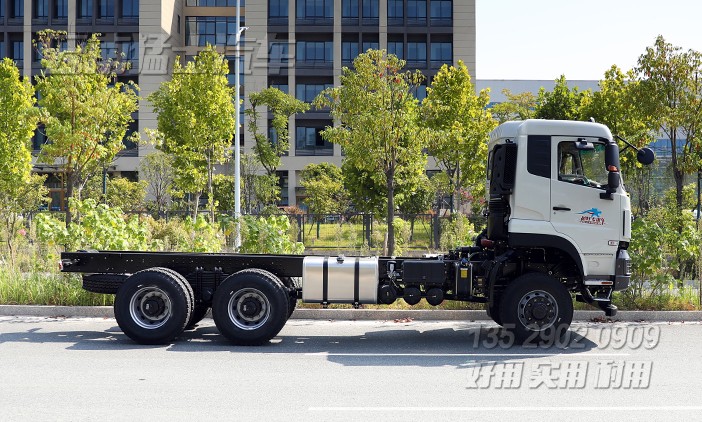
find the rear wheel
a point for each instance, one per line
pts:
(536, 308)
(152, 306)
(250, 307)
(199, 312)
(493, 311)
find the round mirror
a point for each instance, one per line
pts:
(645, 156)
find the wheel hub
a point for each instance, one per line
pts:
(249, 309)
(537, 310)
(150, 307)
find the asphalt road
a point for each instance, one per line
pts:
(86, 369)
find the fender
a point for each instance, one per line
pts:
(528, 240)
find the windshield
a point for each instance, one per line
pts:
(582, 166)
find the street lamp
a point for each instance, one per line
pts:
(237, 149)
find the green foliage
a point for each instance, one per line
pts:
(122, 193)
(85, 109)
(460, 124)
(156, 170)
(268, 235)
(20, 191)
(670, 92)
(282, 106)
(100, 227)
(563, 103)
(378, 120)
(456, 231)
(196, 121)
(223, 187)
(324, 188)
(520, 106)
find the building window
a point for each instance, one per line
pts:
(231, 77)
(61, 9)
(2, 47)
(278, 9)
(283, 185)
(397, 48)
(107, 9)
(108, 50)
(315, 51)
(417, 52)
(283, 87)
(370, 9)
(309, 141)
(130, 51)
(396, 12)
(39, 139)
(349, 51)
(41, 9)
(213, 30)
(2, 14)
(349, 9)
(441, 9)
(441, 52)
(17, 9)
(417, 11)
(85, 9)
(130, 8)
(370, 45)
(278, 52)
(308, 92)
(213, 3)
(314, 11)
(18, 51)
(421, 92)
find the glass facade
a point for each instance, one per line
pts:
(85, 9)
(130, 8)
(315, 51)
(314, 12)
(213, 30)
(309, 141)
(349, 51)
(41, 9)
(214, 3)
(17, 9)
(441, 52)
(308, 92)
(107, 9)
(61, 9)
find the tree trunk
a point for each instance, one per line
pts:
(210, 190)
(196, 205)
(69, 194)
(391, 211)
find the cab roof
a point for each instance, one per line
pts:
(512, 130)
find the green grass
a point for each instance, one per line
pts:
(17, 288)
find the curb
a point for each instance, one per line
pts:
(365, 314)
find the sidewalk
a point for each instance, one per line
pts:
(365, 314)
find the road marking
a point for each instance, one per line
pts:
(501, 409)
(485, 355)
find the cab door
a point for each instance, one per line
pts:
(578, 212)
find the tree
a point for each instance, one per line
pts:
(324, 188)
(20, 191)
(85, 109)
(417, 202)
(517, 107)
(460, 125)
(196, 122)
(120, 193)
(670, 91)
(378, 122)
(269, 148)
(156, 170)
(563, 103)
(616, 105)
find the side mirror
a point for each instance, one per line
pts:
(645, 156)
(613, 180)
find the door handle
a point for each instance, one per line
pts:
(561, 209)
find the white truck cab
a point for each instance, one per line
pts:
(557, 205)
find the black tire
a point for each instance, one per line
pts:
(493, 311)
(250, 307)
(292, 293)
(188, 287)
(199, 312)
(135, 302)
(536, 308)
(103, 283)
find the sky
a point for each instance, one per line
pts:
(542, 39)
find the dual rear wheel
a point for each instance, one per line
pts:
(154, 306)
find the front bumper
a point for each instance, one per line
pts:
(622, 272)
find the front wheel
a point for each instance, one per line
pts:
(536, 307)
(250, 307)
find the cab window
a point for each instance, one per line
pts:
(582, 166)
